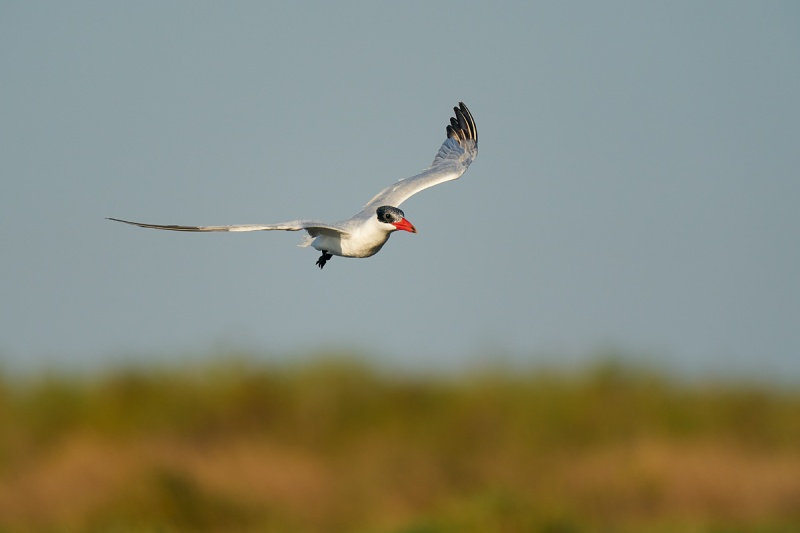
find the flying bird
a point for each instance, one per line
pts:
(365, 233)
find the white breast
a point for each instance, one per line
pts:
(363, 240)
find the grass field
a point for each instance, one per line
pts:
(338, 446)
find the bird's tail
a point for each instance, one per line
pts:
(307, 239)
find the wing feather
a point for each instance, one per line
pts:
(313, 227)
(455, 155)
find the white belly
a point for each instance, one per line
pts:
(360, 244)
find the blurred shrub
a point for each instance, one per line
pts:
(336, 445)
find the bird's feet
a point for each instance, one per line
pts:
(323, 259)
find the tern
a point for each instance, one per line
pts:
(365, 233)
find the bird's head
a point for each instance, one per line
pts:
(392, 216)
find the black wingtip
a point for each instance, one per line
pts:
(462, 125)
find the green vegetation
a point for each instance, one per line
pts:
(339, 446)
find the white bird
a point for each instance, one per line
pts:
(364, 234)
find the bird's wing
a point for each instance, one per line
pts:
(455, 155)
(313, 227)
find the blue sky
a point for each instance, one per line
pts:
(636, 188)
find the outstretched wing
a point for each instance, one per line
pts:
(455, 155)
(313, 227)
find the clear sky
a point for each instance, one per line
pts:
(637, 186)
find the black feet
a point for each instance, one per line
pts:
(323, 259)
